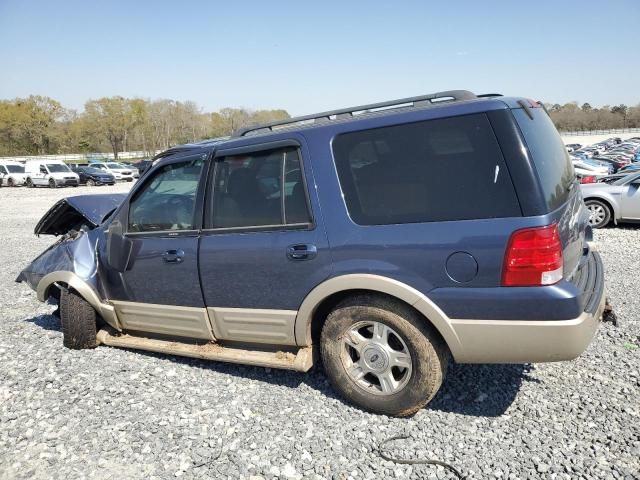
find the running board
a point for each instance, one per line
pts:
(301, 362)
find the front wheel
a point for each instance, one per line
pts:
(52, 183)
(79, 321)
(599, 213)
(382, 355)
(29, 183)
(91, 182)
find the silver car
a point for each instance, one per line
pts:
(618, 201)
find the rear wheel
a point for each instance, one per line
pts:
(52, 183)
(599, 213)
(78, 321)
(382, 355)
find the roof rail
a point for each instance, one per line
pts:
(450, 95)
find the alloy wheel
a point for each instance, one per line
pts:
(376, 358)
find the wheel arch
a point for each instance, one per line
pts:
(609, 202)
(71, 280)
(328, 294)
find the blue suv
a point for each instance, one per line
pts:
(383, 240)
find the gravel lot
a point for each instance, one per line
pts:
(109, 413)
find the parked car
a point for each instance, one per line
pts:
(132, 167)
(574, 146)
(618, 201)
(369, 249)
(120, 172)
(12, 174)
(143, 165)
(49, 173)
(94, 176)
(633, 167)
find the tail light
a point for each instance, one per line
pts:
(588, 179)
(533, 257)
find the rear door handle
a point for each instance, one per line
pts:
(173, 256)
(303, 251)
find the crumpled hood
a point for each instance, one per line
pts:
(72, 213)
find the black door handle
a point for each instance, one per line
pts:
(173, 256)
(302, 252)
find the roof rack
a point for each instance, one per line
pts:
(419, 101)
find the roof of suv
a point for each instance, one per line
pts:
(461, 100)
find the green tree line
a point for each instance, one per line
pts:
(572, 117)
(41, 125)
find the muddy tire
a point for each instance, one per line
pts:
(78, 321)
(381, 355)
(599, 213)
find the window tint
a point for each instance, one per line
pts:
(3, 170)
(549, 155)
(259, 189)
(447, 169)
(167, 201)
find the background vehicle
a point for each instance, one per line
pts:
(94, 176)
(374, 268)
(12, 174)
(120, 172)
(618, 201)
(49, 173)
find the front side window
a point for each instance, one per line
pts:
(167, 201)
(429, 171)
(259, 189)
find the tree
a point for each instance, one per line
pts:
(114, 118)
(585, 107)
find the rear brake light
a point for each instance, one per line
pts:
(588, 179)
(533, 257)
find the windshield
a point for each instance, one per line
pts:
(57, 168)
(15, 168)
(626, 179)
(116, 166)
(91, 170)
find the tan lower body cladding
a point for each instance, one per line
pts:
(249, 325)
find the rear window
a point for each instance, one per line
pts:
(549, 155)
(436, 170)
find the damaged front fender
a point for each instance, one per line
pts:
(72, 261)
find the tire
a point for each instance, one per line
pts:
(404, 332)
(11, 182)
(91, 182)
(78, 321)
(599, 213)
(30, 183)
(52, 183)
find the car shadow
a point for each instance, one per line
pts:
(482, 390)
(474, 390)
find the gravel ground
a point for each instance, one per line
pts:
(109, 413)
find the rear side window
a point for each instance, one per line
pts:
(436, 170)
(549, 155)
(261, 189)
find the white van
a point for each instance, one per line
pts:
(12, 174)
(51, 173)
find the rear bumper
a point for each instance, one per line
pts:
(525, 341)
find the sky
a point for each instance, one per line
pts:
(307, 56)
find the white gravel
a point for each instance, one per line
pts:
(109, 413)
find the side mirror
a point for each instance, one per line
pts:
(119, 247)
